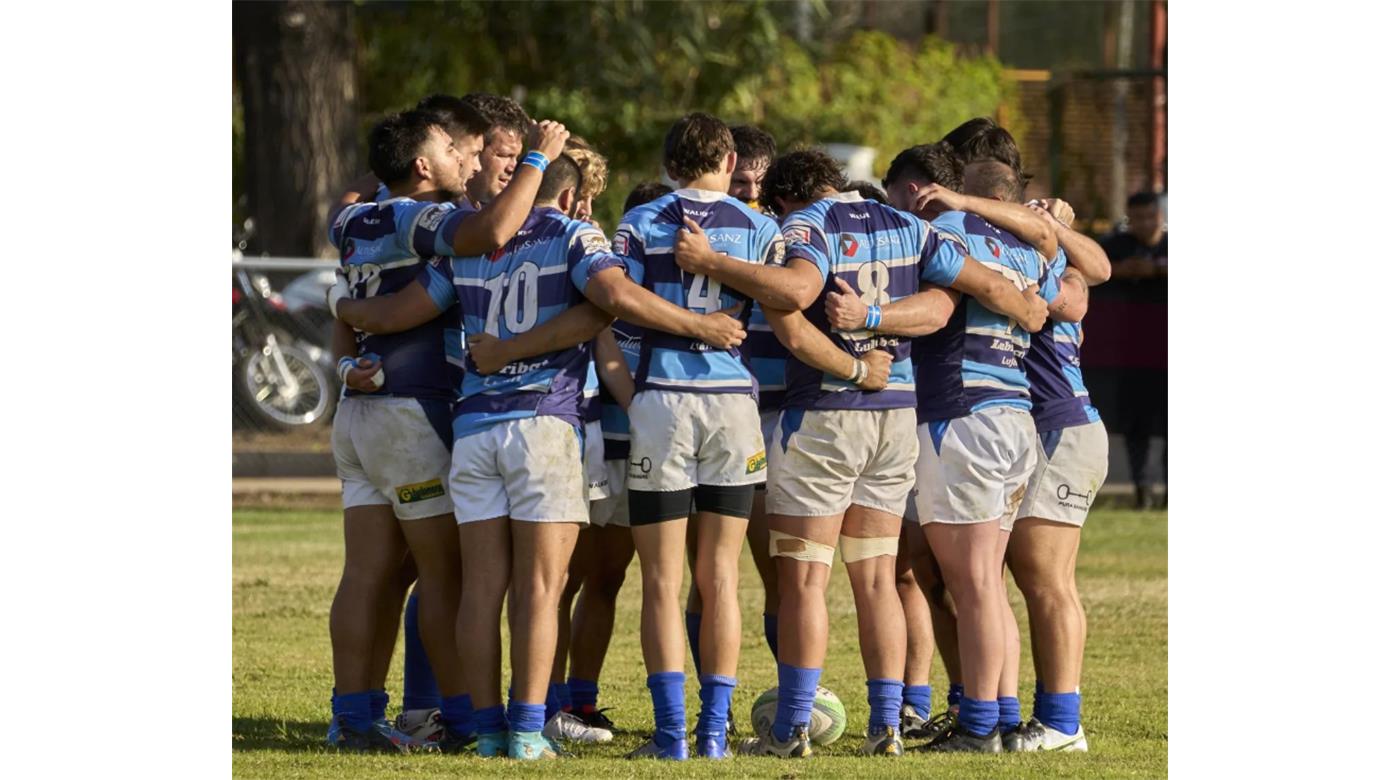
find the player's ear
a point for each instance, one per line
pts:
(421, 168)
(730, 162)
(566, 199)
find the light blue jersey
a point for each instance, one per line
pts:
(976, 360)
(646, 239)
(536, 276)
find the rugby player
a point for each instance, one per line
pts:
(389, 437)
(976, 439)
(695, 436)
(510, 126)
(842, 470)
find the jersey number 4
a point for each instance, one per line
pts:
(515, 302)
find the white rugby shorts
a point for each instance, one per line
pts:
(974, 469)
(680, 440)
(1070, 467)
(388, 452)
(530, 470)
(612, 510)
(595, 472)
(824, 460)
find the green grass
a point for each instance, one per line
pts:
(286, 565)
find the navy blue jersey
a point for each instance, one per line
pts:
(646, 239)
(539, 274)
(379, 256)
(617, 434)
(1059, 398)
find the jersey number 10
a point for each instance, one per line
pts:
(515, 302)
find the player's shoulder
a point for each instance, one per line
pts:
(640, 218)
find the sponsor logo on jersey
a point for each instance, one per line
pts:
(620, 246)
(432, 218)
(797, 234)
(993, 246)
(849, 245)
(756, 461)
(420, 491)
(594, 242)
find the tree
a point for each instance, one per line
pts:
(294, 63)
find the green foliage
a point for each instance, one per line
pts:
(619, 72)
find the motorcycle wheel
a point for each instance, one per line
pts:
(297, 398)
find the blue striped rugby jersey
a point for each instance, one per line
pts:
(379, 256)
(617, 434)
(540, 273)
(883, 254)
(646, 239)
(976, 360)
(1059, 398)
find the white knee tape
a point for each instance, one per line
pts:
(781, 545)
(854, 548)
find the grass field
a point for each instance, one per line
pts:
(286, 564)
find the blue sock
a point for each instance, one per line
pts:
(457, 713)
(378, 704)
(668, 706)
(692, 632)
(420, 688)
(584, 693)
(716, 691)
(978, 717)
(797, 689)
(525, 717)
(564, 694)
(1009, 713)
(1035, 703)
(353, 709)
(884, 697)
(1059, 711)
(920, 697)
(490, 720)
(770, 632)
(551, 702)
(955, 694)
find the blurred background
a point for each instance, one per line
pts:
(1081, 85)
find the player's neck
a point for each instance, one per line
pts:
(418, 190)
(712, 182)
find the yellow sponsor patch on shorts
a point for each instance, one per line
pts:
(756, 461)
(420, 491)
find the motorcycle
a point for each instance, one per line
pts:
(282, 378)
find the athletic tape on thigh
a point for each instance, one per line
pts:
(781, 545)
(854, 548)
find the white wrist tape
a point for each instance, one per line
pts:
(781, 545)
(337, 293)
(855, 548)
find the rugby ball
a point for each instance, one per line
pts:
(828, 715)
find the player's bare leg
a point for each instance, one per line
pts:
(661, 552)
(719, 543)
(596, 610)
(969, 558)
(433, 542)
(561, 722)
(540, 565)
(767, 569)
(374, 553)
(486, 568)
(1007, 687)
(879, 612)
(945, 624)
(917, 705)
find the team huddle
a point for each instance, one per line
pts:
(768, 353)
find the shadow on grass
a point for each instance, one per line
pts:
(293, 736)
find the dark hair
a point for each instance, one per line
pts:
(645, 192)
(561, 174)
(798, 177)
(696, 145)
(453, 116)
(752, 144)
(982, 139)
(500, 113)
(1145, 199)
(992, 179)
(869, 191)
(935, 162)
(395, 143)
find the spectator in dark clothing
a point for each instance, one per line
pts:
(1139, 286)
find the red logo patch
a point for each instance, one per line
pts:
(849, 245)
(994, 246)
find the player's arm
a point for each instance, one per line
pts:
(618, 295)
(997, 293)
(1083, 252)
(354, 373)
(917, 315)
(490, 228)
(410, 307)
(1020, 221)
(360, 190)
(1072, 301)
(870, 372)
(791, 287)
(578, 324)
(612, 368)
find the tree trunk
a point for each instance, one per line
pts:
(295, 66)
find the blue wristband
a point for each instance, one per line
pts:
(536, 160)
(873, 315)
(344, 365)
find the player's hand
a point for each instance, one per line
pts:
(1060, 210)
(693, 253)
(931, 200)
(879, 361)
(548, 138)
(720, 330)
(489, 354)
(844, 308)
(1045, 216)
(1038, 310)
(362, 376)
